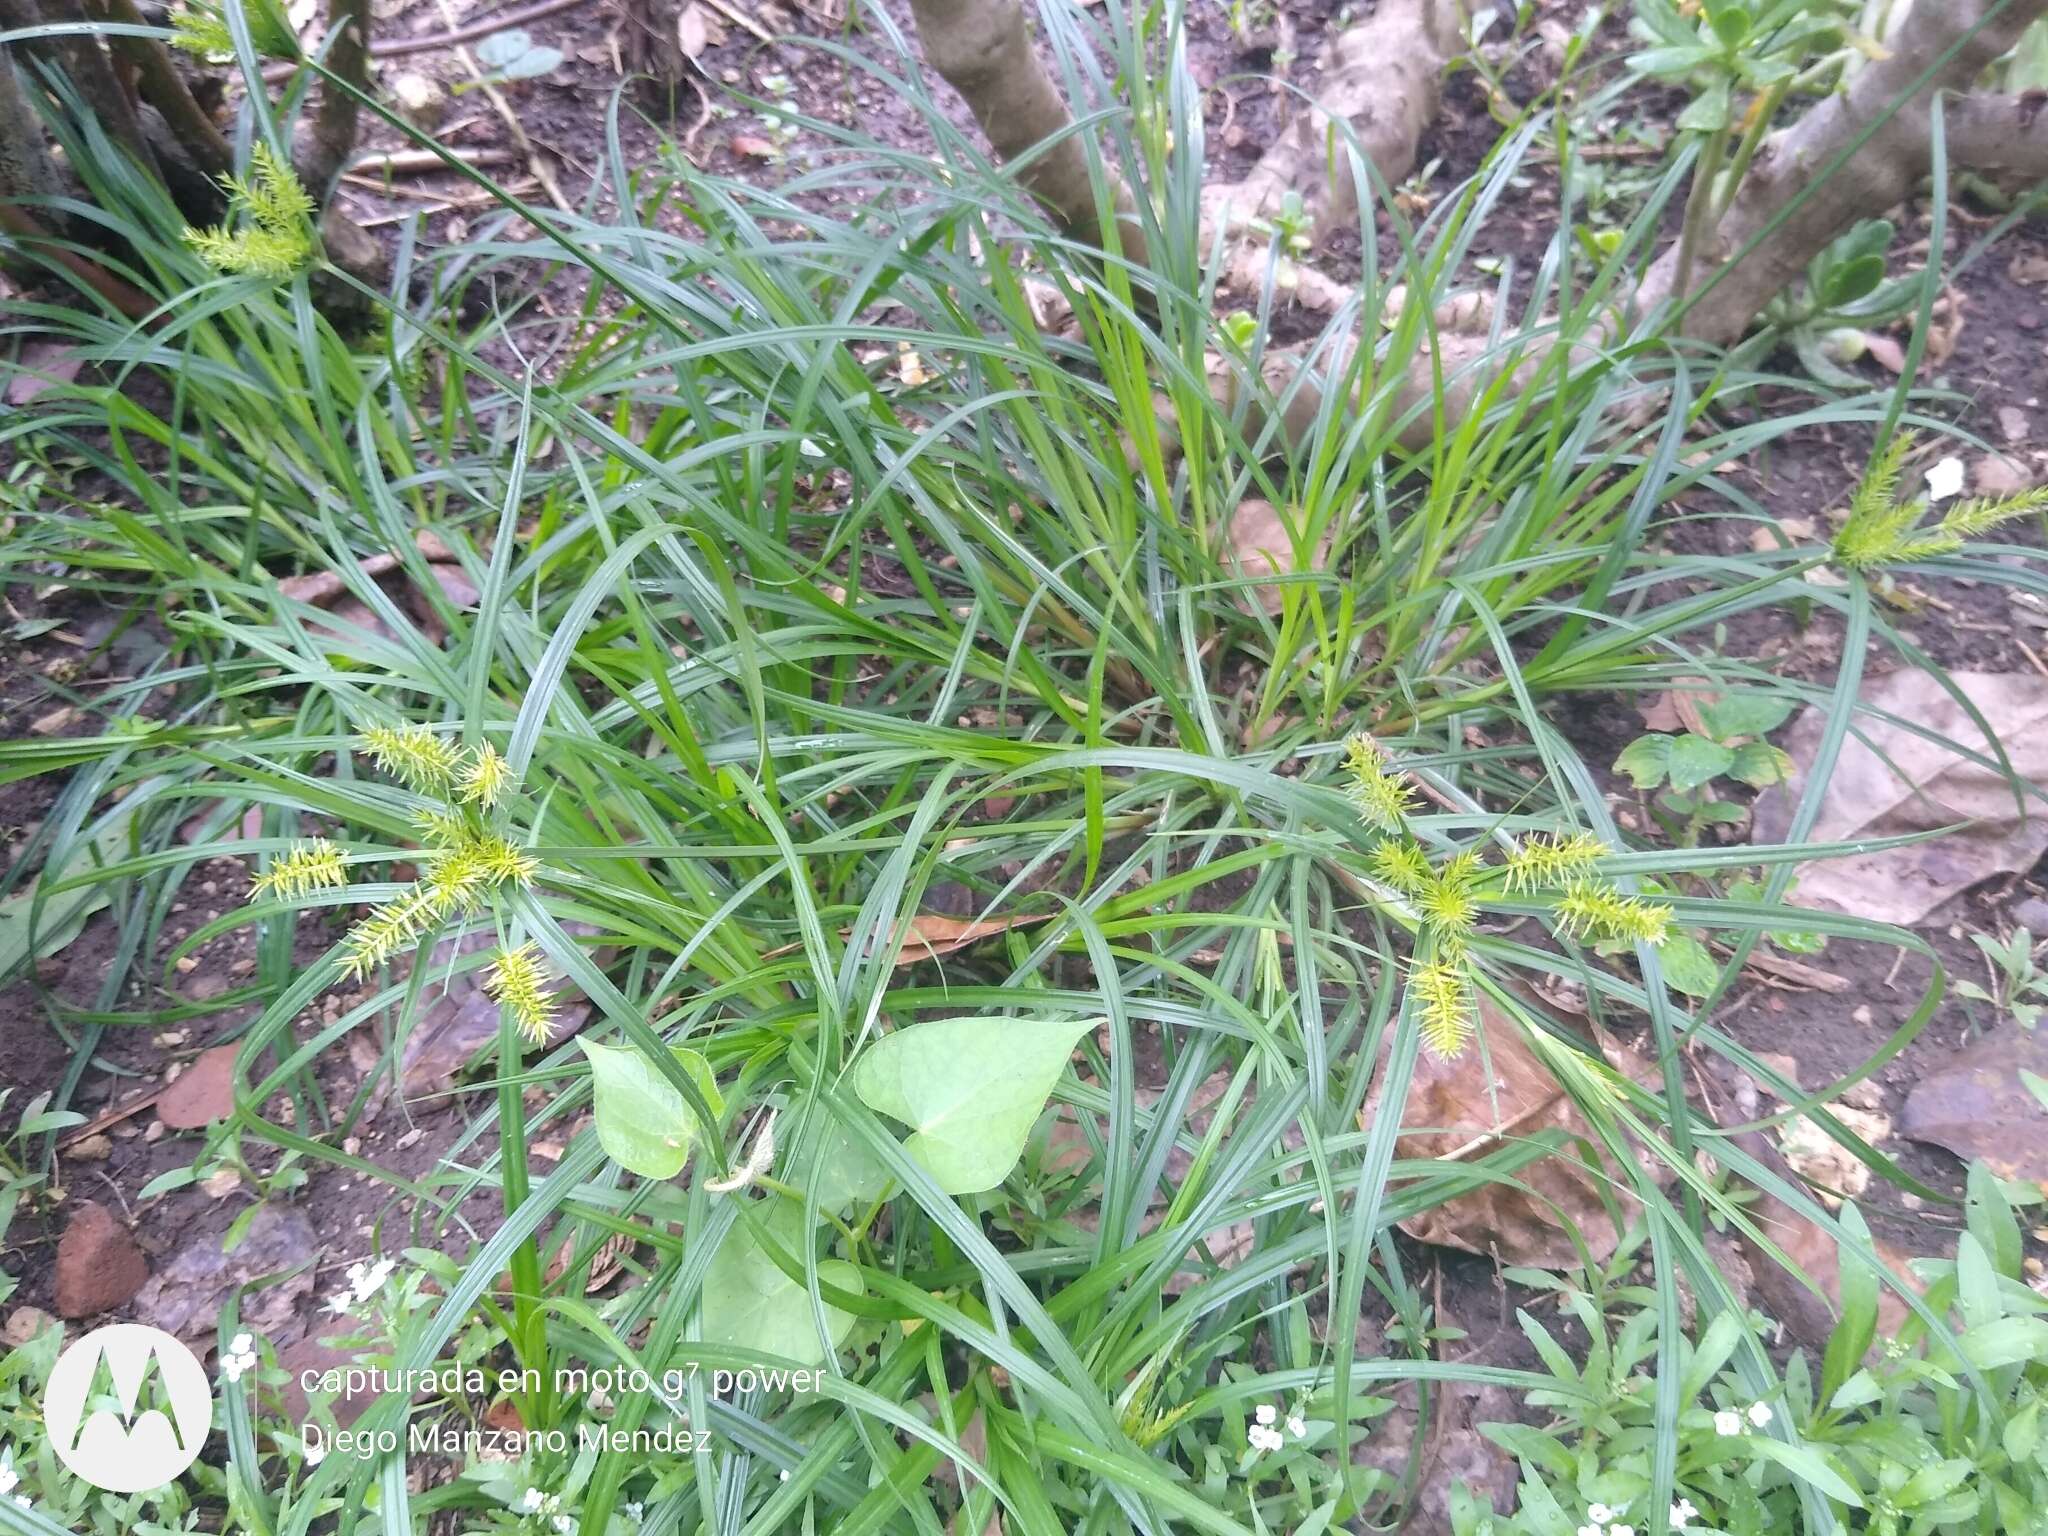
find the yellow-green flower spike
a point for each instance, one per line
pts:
(1381, 797)
(1880, 531)
(1446, 904)
(414, 755)
(1400, 864)
(306, 868)
(1545, 861)
(501, 862)
(1443, 1006)
(518, 982)
(441, 829)
(485, 777)
(1591, 909)
(276, 238)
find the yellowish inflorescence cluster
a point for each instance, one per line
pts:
(519, 982)
(276, 234)
(466, 861)
(1882, 531)
(1448, 897)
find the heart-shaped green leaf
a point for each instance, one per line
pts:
(969, 1089)
(1694, 760)
(643, 1124)
(750, 1304)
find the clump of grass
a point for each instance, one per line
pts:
(769, 641)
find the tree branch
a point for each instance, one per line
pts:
(165, 89)
(1999, 134)
(26, 170)
(78, 58)
(1382, 79)
(22, 225)
(332, 136)
(1796, 166)
(981, 49)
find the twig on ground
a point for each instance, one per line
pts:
(424, 162)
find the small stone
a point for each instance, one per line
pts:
(1864, 1095)
(209, 888)
(419, 100)
(98, 1265)
(1993, 474)
(2032, 915)
(2012, 421)
(221, 1183)
(23, 1324)
(1863, 1015)
(243, 967)
(93, 1149)
(187, 964)
(352, 1145)
(204, 989)
(155, 1133)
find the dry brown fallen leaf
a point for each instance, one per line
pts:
(203, 1093)
(326, 589)
(1979, 1106)
(931, 935)
(1259, 540)
(1469, 1114)
(1868, 798)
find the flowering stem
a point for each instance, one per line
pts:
(528, 1335)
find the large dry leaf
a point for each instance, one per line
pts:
(327, 590)
(1466, 1112)
(930, 935)
(1979, 1105)
(1925, 785)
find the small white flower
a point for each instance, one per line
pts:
(1727, 1422)
(780, 1477)
(1297, 1426)
(1261, 1438)
(565, 1524)
(1621, 1530)
(315, 1451)
(1591, 1530)
(24, 1501)
(240, 1344)
(1759, 1414)
(9, 1478)
(632, 1509)
(1682, 1513)
(231, 1369)
(1945, 479)
(531, 1501)
(1266, 1413)
(342, 1302)
(1600, 1514)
